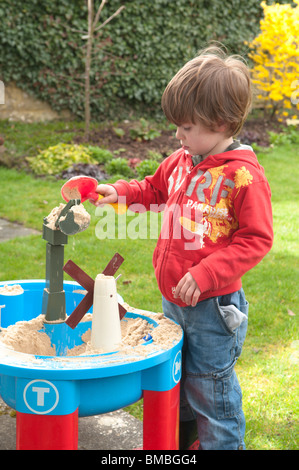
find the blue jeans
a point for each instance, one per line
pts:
(214, 333)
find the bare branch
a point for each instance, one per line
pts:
(90, 36)
(75, 30)
(110, 18)
(97, 17)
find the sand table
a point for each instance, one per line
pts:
(26, 337)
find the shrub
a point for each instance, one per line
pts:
(275, 53)
(119, 166)
(289, 137)
(42, 49)
(146, 168)
(101, 155)
(144, 131)
(58, 158)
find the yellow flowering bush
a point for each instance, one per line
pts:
(275, 54)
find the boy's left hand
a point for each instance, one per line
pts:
(188, 290)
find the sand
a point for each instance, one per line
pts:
(72, 193)
(53, 216)
(15, 289)
(26, 337)
(81, 216)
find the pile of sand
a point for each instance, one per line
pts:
(81, 216)
(14, 289)
(24, 336)
(133, 331)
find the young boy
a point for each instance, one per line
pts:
(217, 225)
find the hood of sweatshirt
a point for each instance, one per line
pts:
(243, 154)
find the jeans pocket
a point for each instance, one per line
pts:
(232, 316)
(228, 394)
(233, 309)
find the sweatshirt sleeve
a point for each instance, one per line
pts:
(151, 193)
(249, 243)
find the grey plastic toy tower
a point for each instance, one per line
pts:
(53, 305)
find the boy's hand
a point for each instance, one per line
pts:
(109, 194)
(188, 290)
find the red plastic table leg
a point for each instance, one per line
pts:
(47, 432)
(161, 419)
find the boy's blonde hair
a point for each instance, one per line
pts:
(212, 89)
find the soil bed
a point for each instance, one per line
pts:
(125, 146)
(254, 131)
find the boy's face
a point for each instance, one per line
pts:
(199, 140)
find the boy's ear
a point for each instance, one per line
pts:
(222, 127)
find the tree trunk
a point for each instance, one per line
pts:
(87, 68)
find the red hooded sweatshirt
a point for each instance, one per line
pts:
(217, 221)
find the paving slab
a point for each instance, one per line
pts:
(10, 230)
(112, 431)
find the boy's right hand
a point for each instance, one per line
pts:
(109, 194)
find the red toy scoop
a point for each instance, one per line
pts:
(84, 187)
(80, 187)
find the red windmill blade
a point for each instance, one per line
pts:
(88, 284)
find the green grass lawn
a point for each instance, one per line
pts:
(268, 367)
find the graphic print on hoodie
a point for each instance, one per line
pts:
(212, 219)
(217, 221)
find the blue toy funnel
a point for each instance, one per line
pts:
(63, 337)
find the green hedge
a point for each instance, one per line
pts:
(137, 54)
